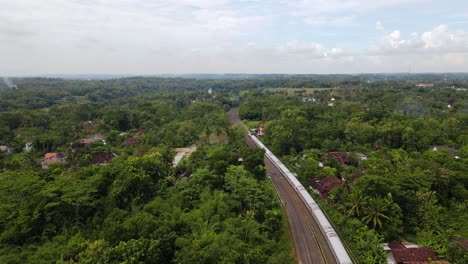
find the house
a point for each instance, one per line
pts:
(261, 130)
(130, 141)
(28, 146)
(332, 102)
(6, 149)
(425, 85)
(102, 158)
(408, 253)
(448, 149)
(53, 157)
(343, 157)
(182, 152)
(308, 99)
(324, 186)
(92, 138)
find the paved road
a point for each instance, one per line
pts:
(309, 244)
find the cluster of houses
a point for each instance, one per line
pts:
(100, 158)
(324, 186)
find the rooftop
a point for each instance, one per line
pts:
(410, 255)
(325, 185)
(50, 155)
(103, 157)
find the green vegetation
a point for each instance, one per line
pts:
(214, 207)
(403, 188)
(138, 208)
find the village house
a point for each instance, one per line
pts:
(92, 138)
(102, 158)
(448, 149)
(28, 146)
(181, 153)
(261, 130)
(53, 157)
(408, 253)
(324, 186)
(343, 157)
(6, 149)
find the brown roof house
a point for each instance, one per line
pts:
(407, 253)
(343, 157)
(324, 186)
(102, 158)
(53, 157)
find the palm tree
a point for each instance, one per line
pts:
(356, 201)
(375, 212)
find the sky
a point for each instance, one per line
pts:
(232, 36)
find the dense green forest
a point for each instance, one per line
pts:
(403, 188)
(120, 199)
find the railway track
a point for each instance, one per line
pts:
(313, 238)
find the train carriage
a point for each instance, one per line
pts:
(333, 240)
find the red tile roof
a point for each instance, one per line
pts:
(412, 255)
(50, 155)
(325, 185)
(395, 245)
(341, 157)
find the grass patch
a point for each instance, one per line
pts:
(252, 124)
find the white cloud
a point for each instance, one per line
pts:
(337, 12)
(310, 50)
(439, 40)
(182, 36)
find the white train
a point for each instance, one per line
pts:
(333, 240)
